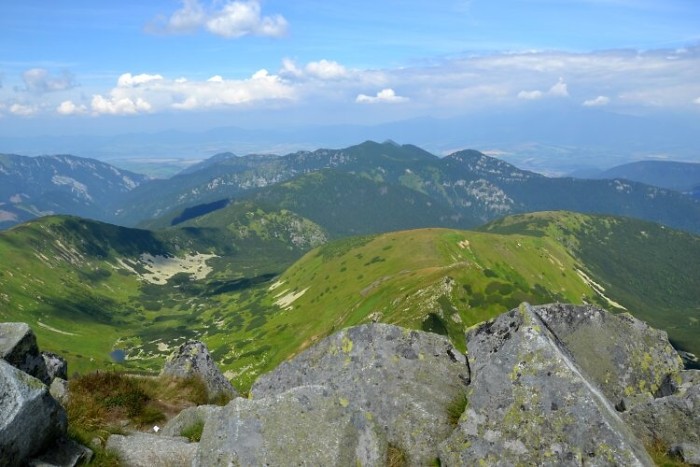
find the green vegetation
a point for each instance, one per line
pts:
(456, 408)
(90, 294)
(102, 403)
(193, 432)
(396, 457)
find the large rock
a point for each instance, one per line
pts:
(530, 404)
(406, 380)
(64, 453)
(18, 347)
(309, 425)
(620, 354)
(149, 450)
(188, 418)
(673, 419)
(193, 359)
(56, 366)
(30, 419)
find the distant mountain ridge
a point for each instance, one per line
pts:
(462, 190)
(35, 186)
(467, 187)
(679, 176)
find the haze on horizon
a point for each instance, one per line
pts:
(294, 68)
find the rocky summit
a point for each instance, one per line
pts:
(539, 385)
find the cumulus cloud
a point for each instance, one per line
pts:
(152, 93)
(128, 80)
(39, 81)
(599, 101)
(22, 110)
(385, 95)
(70, 108)
(232, 19)
(326, 69)
(558, 89)
(530, 95)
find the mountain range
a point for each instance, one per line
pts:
(395, 186)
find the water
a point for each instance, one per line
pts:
(118, 355)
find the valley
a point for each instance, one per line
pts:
(259, 286)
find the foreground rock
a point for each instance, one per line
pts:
(405, 380)
(18, 347)
(149, 450)
(30, 419)
(626, 358)
(193, 359)
(674, 419)
(309, 425)
(530, 404)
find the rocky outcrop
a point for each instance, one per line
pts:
(188, 418)
(56, 366)
(623, 356)
(530, 403)
(405, 380)
(308, 425)
(31, 420)
(193, 359)
(18, 347)
(673, 419)
(149, 450)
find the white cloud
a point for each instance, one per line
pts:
(385, 95)
(128, 80)
(697, 101)
(597, 102)
(160, 94)
(22, 110)
(326, 69)
(530, 95)
(70, 108)
(230, 19)
(558, 89)
(119, 105)
(39, 81)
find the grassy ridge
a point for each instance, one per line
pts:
(66, 278)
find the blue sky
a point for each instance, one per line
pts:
(82, 65)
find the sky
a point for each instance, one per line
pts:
(76, 66)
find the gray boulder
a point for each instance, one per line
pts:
(64, 453)
(623, 356)
(150, 450)
(674, 419)
(18, 347)
(193, 359)
(30, 419)
(688, 453)
(59, 390)
(189, 417)
(406, 380)
(529, 403)
(56, 366)
(309, 425)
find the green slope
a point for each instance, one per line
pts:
(649, 269)
(86, 289)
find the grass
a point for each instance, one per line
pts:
(456, 408)
(102, 403)
(658, 450)
(84, 307)
(396, 457)
(194, 431)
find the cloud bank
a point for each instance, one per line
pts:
(232, 19)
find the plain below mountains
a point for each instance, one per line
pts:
(388, 186)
